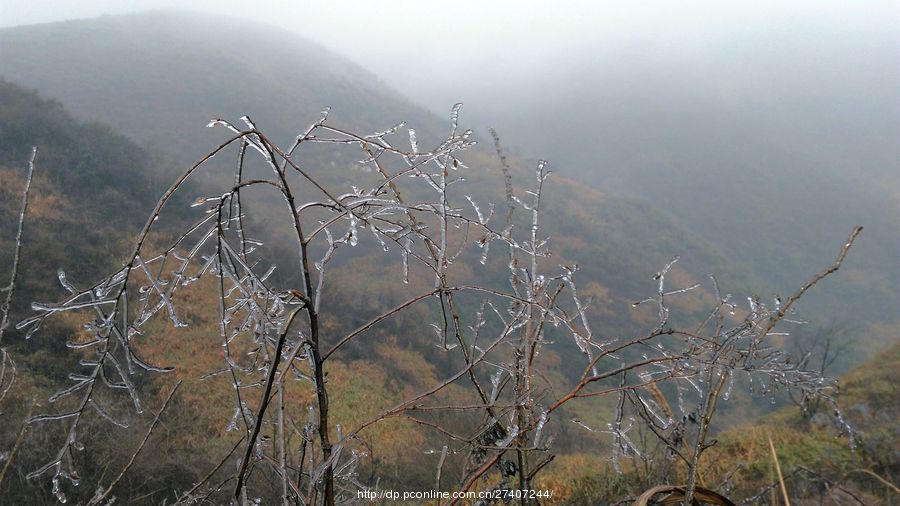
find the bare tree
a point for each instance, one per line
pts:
(273, 340)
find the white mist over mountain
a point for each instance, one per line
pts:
(440, 52)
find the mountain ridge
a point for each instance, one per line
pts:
(203, 67)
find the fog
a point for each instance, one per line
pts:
(576, 67)
(479, 52)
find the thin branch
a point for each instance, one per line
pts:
(14, 274)
(100, 496)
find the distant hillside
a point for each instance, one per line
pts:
(767, 204)
(92, 190)
(769, 143)
(159, 77)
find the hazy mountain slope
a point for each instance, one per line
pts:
(92, 188)
(90, 194)
(759, 172)
(769, 147)
(160, 77)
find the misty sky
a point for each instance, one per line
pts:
(439, 52)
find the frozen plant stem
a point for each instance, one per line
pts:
(10, 288)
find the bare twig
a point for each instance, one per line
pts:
(10, 288)
(18, 443)
(102, 494)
